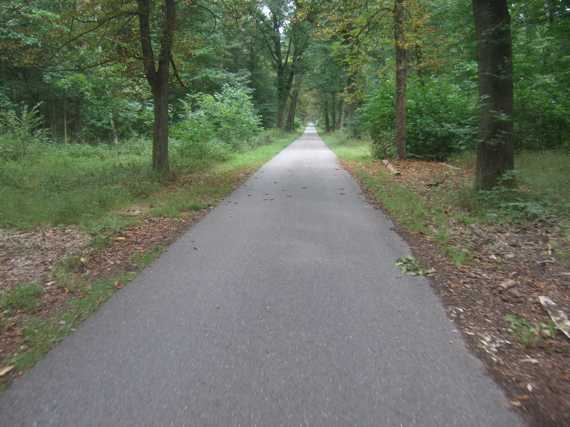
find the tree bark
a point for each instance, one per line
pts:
(340, 119)
(495, 154)
(401, 76)
(158, 76)
(293, 107)
(327, 120)
(114, 130)
(282, 95)
(333, 111)
(65, 122)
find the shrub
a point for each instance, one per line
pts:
(19, 132)
(441, 118)
(213, 125)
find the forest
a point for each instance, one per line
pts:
(126, 121)
(102, 74)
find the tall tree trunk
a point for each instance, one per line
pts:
(401, 76)
(65, 121)
(282, 95)
(340, 118)
(293, 108)
(333, 111)
(157, 76)
(160, 161)
(327, 119)
(495, 152)
(114, 130)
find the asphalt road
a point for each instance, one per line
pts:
(283, 307)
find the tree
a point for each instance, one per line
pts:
(286, 36)
(401, 76)
(495, 155)
(157, 74)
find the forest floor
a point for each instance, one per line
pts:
(490, 257)
(52, 277)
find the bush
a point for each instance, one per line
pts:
(441, 118)
(19, 132)
(541, 119)
(214, 125)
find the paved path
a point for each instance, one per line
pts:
(289, 313)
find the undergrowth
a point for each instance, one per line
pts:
(79, 184)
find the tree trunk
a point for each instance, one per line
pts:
(495, 154)
(293, 109)
(282, 95)
(157, 77)
(327, 120)
(401, 76)
(114, 130)
(160, 131)
(64, 122)
(333, 111)
(339, 122)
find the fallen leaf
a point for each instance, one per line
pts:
(5, 370)
(507, 284)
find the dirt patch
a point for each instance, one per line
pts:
(28, 256)
(512, 265)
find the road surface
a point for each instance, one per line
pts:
(283, 307)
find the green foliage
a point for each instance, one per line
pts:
(145, 258)
(440, 118)
(24, 297)
(542, 190)
(214, 125)
(70, 184)
(527, 333)
(541, 77)
(411, 266)
(19, 132)
(503, 204)
(81, 184)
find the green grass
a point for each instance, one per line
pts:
(529, 334)
(543, 179)
(25, 296)
(58, 184)
(547, 174)
(145, 258)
